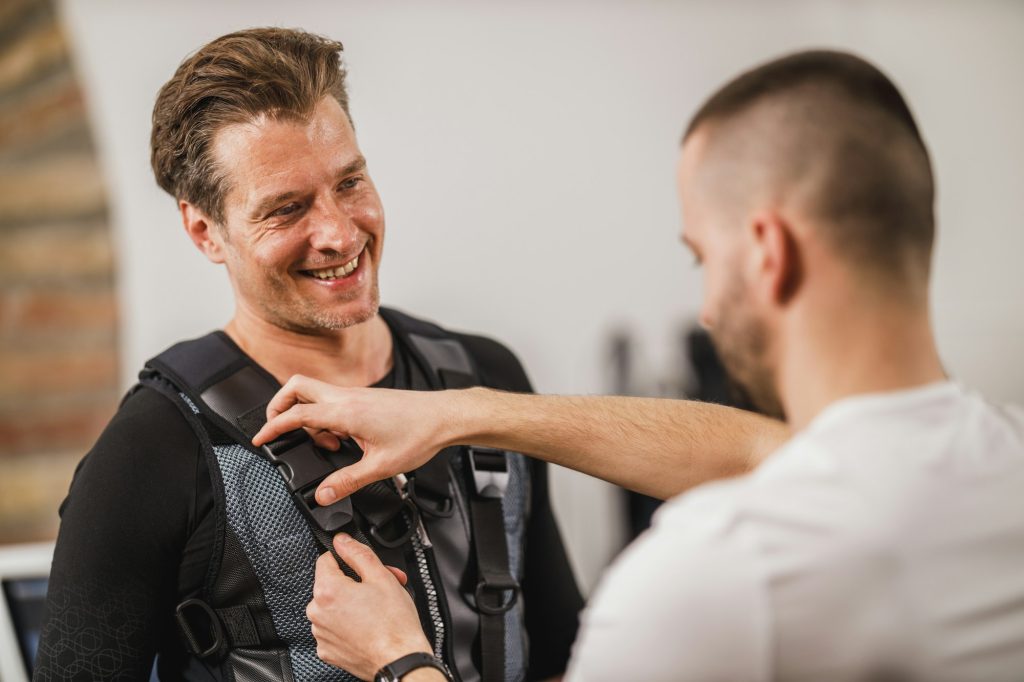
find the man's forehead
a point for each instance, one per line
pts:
(269, 154)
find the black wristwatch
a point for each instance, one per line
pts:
(396, 670)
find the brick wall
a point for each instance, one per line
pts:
(58, 309)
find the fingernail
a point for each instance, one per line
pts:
(326, 495)
(343, 537)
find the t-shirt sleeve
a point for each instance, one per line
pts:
(124, 524)
(552, 598)
(675, 608)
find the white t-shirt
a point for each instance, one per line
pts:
(884, 542)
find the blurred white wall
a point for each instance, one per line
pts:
(525, 151)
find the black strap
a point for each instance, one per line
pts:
(496, 589)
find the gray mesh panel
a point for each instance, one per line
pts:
(514, 506)
(280, 546)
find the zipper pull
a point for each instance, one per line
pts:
(401, 482)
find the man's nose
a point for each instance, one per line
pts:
(332, 228)
(704, 319)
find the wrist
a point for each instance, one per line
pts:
(398, 650)
(458, 425)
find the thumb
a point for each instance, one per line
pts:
(360, 558)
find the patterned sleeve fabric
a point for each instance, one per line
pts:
(124, 528)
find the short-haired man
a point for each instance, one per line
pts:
(179, 538)
(884, 540)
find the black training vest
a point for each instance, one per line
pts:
(457, 527)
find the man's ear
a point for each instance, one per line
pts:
(203, 232)
(778, 259)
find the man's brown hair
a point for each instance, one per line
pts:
(277, 72)
(832, 128)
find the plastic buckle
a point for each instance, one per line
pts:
(303, 468)
(215, 628)
(443, 510)
(490, 471)
(412, 523)
(497, 585)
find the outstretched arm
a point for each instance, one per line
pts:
(655, 446)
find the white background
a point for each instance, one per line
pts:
(524, 152)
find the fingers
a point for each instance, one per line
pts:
(298, 389)
(400, 574)
(360, 557)
(313, 417)
(327, 440)
(329, 577)
(347, 480)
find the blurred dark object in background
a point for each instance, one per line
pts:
(58, 312)
(700, 376)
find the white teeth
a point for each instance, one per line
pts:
(340, 271)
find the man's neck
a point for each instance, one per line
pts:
(360, 355)
(870, 346)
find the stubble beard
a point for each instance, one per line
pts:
(741, 339)
(302, 318)
(324, 320)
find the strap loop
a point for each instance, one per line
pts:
(202, 641)
(442, 511)
(411, 518)
(496, 587)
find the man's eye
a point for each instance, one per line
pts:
(285, 210)
(350, 183)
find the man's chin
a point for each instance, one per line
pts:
(314, 322)
(760, 396)
(352, 314)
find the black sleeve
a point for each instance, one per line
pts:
(124, 526)
(552, 598)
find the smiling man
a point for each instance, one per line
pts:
(180, 539)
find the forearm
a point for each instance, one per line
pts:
(658, 447)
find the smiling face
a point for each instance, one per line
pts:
(714, 230)
(303, 225)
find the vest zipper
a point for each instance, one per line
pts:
(420, 543)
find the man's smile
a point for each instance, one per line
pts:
(335, 272)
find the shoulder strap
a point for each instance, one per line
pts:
(446, 361)
(449, 365)
(230, 390)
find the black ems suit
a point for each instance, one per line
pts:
(181, 539)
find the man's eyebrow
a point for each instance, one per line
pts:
(355, 165)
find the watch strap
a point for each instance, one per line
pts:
(399, 668)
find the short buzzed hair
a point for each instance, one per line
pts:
(278, 72)
(832, 129)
